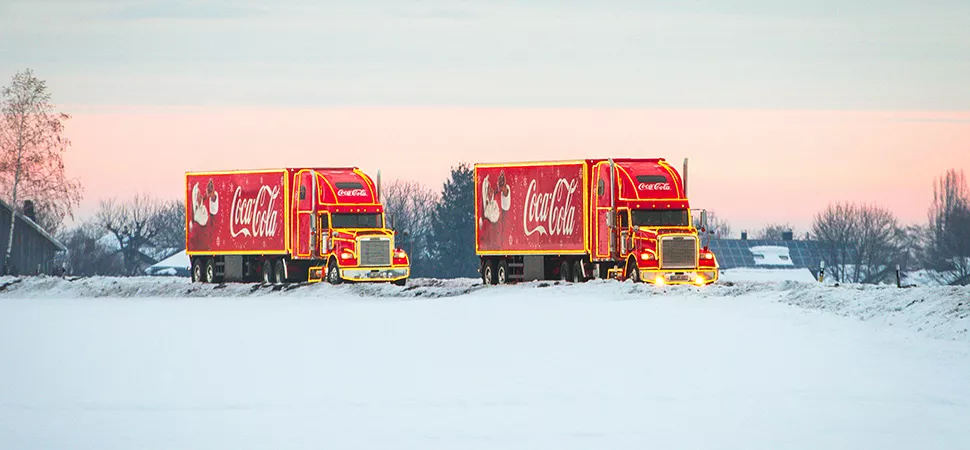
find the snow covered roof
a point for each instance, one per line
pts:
(179, 260)
(771, 255)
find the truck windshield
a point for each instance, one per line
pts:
(356, 220)
(660, 218)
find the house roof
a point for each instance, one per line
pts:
(178, 260)
(35, 226)
(733, 253)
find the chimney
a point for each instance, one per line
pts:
(29, 210)
(787, 235)
(744, 235)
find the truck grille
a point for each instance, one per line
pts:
(375, 251)
(678, 252)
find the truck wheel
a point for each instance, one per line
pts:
(488, 272)
(280, 271)
(196, 270)
(401, 282)
(210, 270)
(333, 273)
(564, 271)
(502, 273)
(268, 272)
(578, 272)
(633, 272)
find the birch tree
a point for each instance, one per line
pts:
(32, 148)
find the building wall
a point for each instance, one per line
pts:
(32, 252)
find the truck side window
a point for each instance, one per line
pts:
(624, 219)
(600, 188)
(302, 192)
(324, 222)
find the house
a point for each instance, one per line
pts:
(175, 265)
(786, 253)
(34, 249)
(147, 254)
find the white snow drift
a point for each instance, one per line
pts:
(161, 363)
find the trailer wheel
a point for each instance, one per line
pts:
(578, 272)
(502, 273)
(268, 272)
(210, 270)
(280, 271)
(333, 273)
(488, 272)
(632, 271)
(196, 270)
(564, 271)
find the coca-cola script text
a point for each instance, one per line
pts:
(550, 213)
(255, 217)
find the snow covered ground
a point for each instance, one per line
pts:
(448, 364)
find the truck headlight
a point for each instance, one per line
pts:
(346, 255)
(399, 254)
(646, 256)
(707, 256)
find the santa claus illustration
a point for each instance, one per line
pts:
(204, 204)
(496, 200)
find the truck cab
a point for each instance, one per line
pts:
(348, 235)
(649, 225)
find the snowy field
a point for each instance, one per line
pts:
(153, 363)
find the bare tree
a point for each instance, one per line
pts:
(773, 231)
(31, 154)
(836, 229)
(879, 246)
(134, 223)
(860, 243)
(409, 207)
(170, 223)
(948, 239)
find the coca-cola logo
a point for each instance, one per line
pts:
(254, 216)
(550, 213)
(654, 186)
(352, 192)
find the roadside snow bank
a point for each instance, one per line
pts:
(936, 311)
(148, 286)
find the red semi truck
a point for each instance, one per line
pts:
(290, 224)
(593, 218)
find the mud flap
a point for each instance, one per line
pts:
(315, 274)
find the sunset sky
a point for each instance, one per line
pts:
(782, 106)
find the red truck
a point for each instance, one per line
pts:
(290, 224)
(584, 219)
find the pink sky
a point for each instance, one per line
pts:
(751, 166)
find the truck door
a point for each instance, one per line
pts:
(304, 214)
(324, 228)
(604, 237)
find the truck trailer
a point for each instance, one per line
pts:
(289, 225)
(584, 219)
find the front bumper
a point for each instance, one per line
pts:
(703, 276)
(375, 273)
